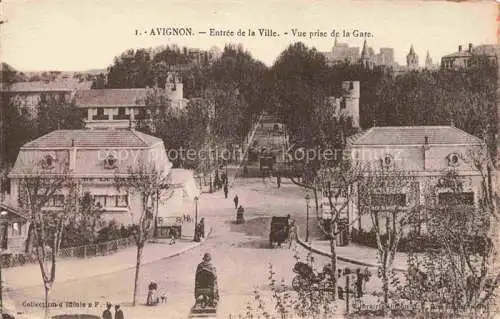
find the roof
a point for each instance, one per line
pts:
(93, 139)
(13, 211)
(415, 135)
(111, 97)
(42, 86)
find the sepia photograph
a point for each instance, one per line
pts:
(244, 160)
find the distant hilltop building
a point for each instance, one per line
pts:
(122, 108)
(412, 59)
(342, 53)
(462, 58)
(369, 59)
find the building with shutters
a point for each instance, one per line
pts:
(429, 154)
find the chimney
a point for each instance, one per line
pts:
(470, 47)
(459, 48)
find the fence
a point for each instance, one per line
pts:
(93, 250)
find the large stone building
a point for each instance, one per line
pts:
(91, 159)
(427, 154)
(29, 95)
(122, 108)
(342, 53)
(462, 58)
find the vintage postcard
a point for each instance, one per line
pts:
(234, 159)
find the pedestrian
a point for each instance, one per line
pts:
(226, 190)
(202, 228)
(118, 312)
(359, 283)
(106, 314)
(236, 201)
(173, 235)
(245, 171)
(278, 179)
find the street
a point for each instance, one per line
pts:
(240, 253)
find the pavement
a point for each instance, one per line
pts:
(240, 252)
(355, 254)
(74, 269)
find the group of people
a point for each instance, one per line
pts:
(107, 313)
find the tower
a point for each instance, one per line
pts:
(173, 87)
(428, 61)
(412, 59)
(350, 101)
(366, 57)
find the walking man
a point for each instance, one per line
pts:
(106, 314)
(236, 201)
(118, 312)
(226, 190)
(278, 179)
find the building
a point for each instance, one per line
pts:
(429, 65)
(13, 229)
(462, 58)
(412, 60)
(347, 105)
(30, 94)
(122, 108)
(428, 154)
(91, 158)
(342, 53)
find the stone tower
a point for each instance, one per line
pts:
(366, 57)
(173, 87)
(412, 59)
(428, 61)
(349, 104)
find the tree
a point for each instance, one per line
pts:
(148, 182)
(382, 197)
(457, 276)
(39, 188)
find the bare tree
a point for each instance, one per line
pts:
(40, 189)
(382, 196)
(149, 183)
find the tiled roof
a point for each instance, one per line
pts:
(42, 86)
(415, 135)
(93, 139)
(111, 97)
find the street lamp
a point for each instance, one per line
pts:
(2, 215)
(196, 232)
(307, 198)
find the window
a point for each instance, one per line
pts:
(57, 201)
(453, 199)
(100, 200)
(342, 104)
(121, 114)
(100, 115)
(48, 162)
(385, 200)
(121, 201)
(15, 229)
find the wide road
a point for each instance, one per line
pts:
(240, 253)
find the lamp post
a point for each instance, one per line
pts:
(307, 198)
(2, 216)
(196, 234)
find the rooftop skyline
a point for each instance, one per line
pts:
(76, 36)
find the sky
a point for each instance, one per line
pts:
(75, 35)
